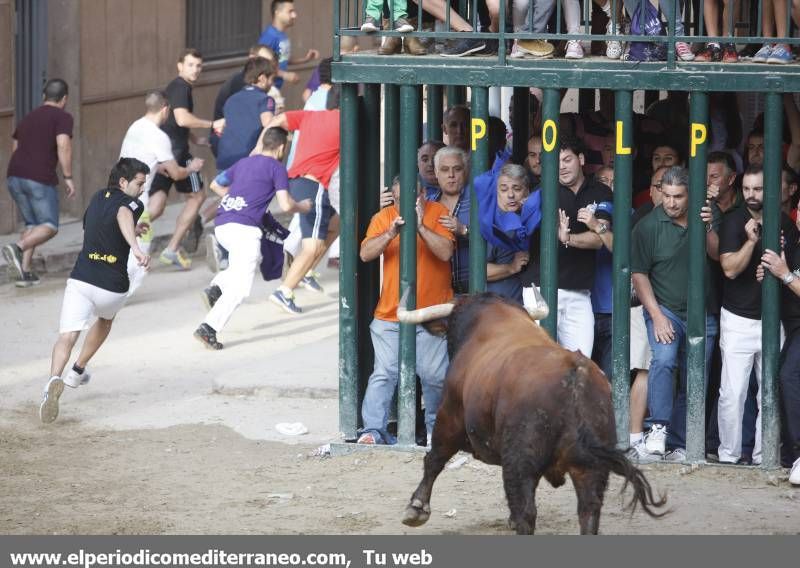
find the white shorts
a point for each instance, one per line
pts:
(83, 302)
(640, 346)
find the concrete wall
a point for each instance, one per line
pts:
(113, 51)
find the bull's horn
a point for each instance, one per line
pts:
(423, 314)
(540, 310)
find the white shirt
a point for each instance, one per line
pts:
(149, 144)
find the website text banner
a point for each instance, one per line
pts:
(393, 552)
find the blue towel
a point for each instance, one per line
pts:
(506, 230)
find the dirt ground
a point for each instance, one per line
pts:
(209, 479)
(169, 438)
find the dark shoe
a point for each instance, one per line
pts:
(211, 295)
(710, 53)
(464, 47)
(391, 46)
(729, 54)
(193, 236)
(206, 335)
(370, 25)
(13, 255)
(403, 26)
(413, 46)
(28, 279)
(492, 47)
(285, 303)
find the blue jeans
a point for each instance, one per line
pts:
(37, 202)
(790, 397)
(664, 404)
(432, 365)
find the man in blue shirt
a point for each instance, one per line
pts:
(274, 35)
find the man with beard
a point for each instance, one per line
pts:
(425, 165)
(533, 162)
(740, 249)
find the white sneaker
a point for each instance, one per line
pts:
(794, 475)
(613, 48)
(639, 454)
(48, 410)
(73, 380)
(678, 455)
(574, 50)
(656, 439)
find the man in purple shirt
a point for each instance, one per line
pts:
(246, 189)
(42, 140)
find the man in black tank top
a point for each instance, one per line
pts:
(98, 284)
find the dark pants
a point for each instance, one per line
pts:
(790, 397)
(601, 351)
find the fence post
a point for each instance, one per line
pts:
(621, 314)
(409, 134)
(548, 256)
(348, 297)
(391, 132)
(696, 317)
(480, 163)
(519, 125)
(435, 112)
(770, 289)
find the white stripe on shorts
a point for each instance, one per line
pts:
(318, 209)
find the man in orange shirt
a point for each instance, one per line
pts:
(434, 249)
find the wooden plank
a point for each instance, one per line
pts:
(8, 210)
(119, 69)
(94, 58)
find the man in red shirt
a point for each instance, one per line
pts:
(42, 140)
(315, 162)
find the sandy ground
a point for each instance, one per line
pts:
(169, 438)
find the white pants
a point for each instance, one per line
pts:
(137, 273)
(83, 302)
(243, 243)
(294, 242)
(740, 343)
(575, 318)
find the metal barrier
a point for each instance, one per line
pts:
(403, 77)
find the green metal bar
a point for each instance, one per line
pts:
(770, 299)
(406, 398)
(501, 46)
(391, 132)
(348, 333)
(671, 19)
(480, 163)
(519, 125)
(337, 21)
(696, 320)
(368, 277)
(620, 317)
(435, 112)
(548, 256)
(456, 95)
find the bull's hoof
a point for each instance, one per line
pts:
(416, 513)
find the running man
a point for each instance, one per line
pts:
(246, 189)
(98, 285)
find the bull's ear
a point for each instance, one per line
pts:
(436, 327)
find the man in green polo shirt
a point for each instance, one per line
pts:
(660, 266)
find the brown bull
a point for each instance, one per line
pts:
(515, 398)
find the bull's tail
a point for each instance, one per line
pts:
(616, 461)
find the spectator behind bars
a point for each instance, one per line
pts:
(434, 249)
(577, 252)
(660, 267)
(740, 251)
(452, 172)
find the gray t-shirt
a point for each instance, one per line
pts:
(510, 287)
